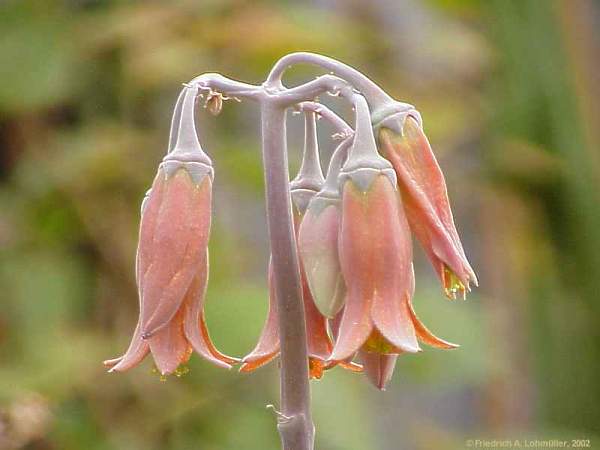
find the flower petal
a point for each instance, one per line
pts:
(318, 249)
(175, 249)
(138, 349)
(169, 346)
(361, 264)
(389, 239)
(267, 347)
(425, 335)
(378, 368)
(318, 342)
(348, 364)
(194, 323)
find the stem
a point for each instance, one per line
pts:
(175, 121)
(283, 97)
(376, 96)
(228, 86)
(309, 90)
(310, 175)
(187, 146)
(342, 128)
(294, 424)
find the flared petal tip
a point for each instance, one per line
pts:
(252, 362)
(426, 336)
(115, 365)
(410, 348)
(351, 366)
(110, 364)
(212, 355)
(339, 355)
(473, 278)
(225, 363)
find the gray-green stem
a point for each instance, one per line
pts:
(294, 422)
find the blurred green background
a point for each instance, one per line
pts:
(510, 94)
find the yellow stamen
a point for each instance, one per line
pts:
(452, 284)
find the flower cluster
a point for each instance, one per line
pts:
(353, 233)
(356, 249)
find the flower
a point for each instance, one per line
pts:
(375, 252)
(376, 260)
(425, 199)
(172, 259)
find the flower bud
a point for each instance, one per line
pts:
(425, 197)
(318, 241)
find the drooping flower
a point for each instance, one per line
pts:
(172, 258)
(375, 251)
(425, 198)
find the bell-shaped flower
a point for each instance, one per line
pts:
(172, 258)
(425, 198)
(375, 252)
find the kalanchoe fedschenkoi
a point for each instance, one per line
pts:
(172, 258)
(425, 198)
(375, 251)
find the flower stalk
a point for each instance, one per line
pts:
(294, 424)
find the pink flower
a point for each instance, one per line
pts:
(375, 254)
(172, 259)
(376, 260)
(172, 273)
(425, 199)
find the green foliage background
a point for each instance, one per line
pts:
(509, 93)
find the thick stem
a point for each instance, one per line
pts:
(294, 423)
(308, 91)
(376, 96)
